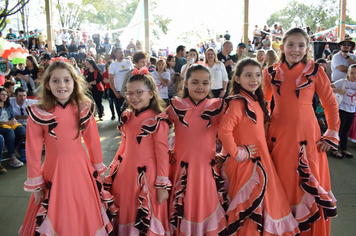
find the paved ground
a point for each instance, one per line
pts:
(13, 200)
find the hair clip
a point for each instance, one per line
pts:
(142, 71)
(170, 55)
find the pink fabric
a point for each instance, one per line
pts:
(101, 168)
(244, 194)
(34, 184)
(46, 228)
(163, 180)
(331, 134)
(210, 223)
(242, 154)
(279, 227)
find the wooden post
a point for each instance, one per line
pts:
(49, 24)
(342, 20)
(246, 25)
(147, 27)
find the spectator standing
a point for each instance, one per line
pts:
(227, 36)
(256, 34)
(342, 60)
(97, 40)
(219, 78)
(58, 41)
(117, 72)
(240, 52)
(65, 37)
(225, 58)
(180, 59)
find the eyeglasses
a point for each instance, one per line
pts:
(346, 44)
(138, 93)
(3, 94)
(22, 111)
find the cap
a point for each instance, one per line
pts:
(241, 45)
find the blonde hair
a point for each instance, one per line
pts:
(271, 57)
(78, 97)
(215, 56)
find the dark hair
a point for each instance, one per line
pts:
(194, 50)
(193, 68)
(138, 56)
(116, 49)
(93, 64)
(7, 101)
(180, 48)
(169, 58)
(226, 42)
(153, 60)
(321, 60)
(8, 84)
(156, 103)
(19, 90)
(282, 56)
(33, 60)
(108, 63)
(236, 87)
(164, 64)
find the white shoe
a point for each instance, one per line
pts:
(15, 163)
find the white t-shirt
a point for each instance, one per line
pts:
(348, 103)
(338, 60)
(17, 109)
(119, 70)
(218, 75)
(162, 90)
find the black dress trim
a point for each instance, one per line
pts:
(87, 116)
(180, 113)
(250, 212)
(149, 129)
(52, 123)
(248, 110)
(63, 105)
(207, 114)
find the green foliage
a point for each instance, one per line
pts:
(8, 8)
(323, 13)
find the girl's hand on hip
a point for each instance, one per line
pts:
(162, 195)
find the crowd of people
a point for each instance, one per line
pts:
(209, 137)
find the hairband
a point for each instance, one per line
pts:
(142, 71)
(60, 59)
(170, 55)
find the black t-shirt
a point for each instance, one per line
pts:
(227, 36)
(224, 59)
(89, 76)
(96, 39)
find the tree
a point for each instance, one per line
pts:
(70, 14)
(8, 9)
(323, 13)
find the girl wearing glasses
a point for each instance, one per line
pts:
(139, 172)
(197, 200)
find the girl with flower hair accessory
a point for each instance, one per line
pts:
(138, 176)
(67, 194)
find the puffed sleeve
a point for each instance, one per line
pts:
(231, 118)
(160, 138)
(34, 146)
(92, 143)
(325, 92)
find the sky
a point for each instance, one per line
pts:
(197, 16)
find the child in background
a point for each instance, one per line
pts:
(294, 139)
(176, 87)
(67, 198)
(162, 79)
(152, 64)
(21, 70)
(346, 109)
(198, 196)
(254, 183)
(139, 172)
(170, 63)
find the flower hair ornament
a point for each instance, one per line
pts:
(142, 71)
(60, 59)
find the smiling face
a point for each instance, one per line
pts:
(61, 85)
(137, 95)
(198, 85)
(294, 48)
(250, 78)
(210, 56)
(351, 74)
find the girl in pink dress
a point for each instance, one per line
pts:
(197, 200)
(67, 198)
(254, 184)
(139, 172)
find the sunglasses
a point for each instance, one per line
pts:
(346, 44)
